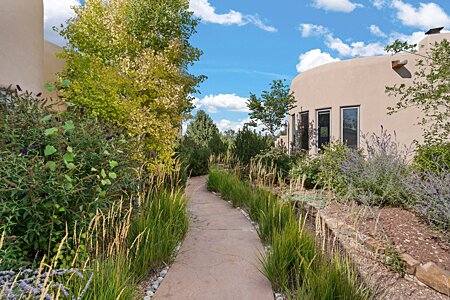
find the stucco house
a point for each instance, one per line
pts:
(26, 59)
(345, 100)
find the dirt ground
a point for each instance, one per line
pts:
(407, 233)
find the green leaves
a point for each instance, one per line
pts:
(51, 131)
(69, 126)
(49, 150)
(51, 165)
(47, 118)
(113, 164)
(49, 87)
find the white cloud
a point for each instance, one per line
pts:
(308, 30)
(379, 4)
(314, 58)
(336, 5)
(207, 13)
(375, 30)
(56, 12)
(226, 124)
(413, 38)
(230, 102)
(354, 48)
(427, 15)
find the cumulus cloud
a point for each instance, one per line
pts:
(56, 12)
(207, 13)
(427, 15)
(413, 38)
(375, 30)
(379, 4)
(336, 5)
(314, 58)
(226, 124)
(308, 30)
(354, 48)
(214, 103)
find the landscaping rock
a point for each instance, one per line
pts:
(150, 293)
(410, 263)
(434, 277)
(147, 298)
(375, 246)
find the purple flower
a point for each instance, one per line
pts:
(25, 150)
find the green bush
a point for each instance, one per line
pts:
(56, 171)
(276, 158)
(331, 160)
(248, 144)
(307, 169)
(434, 158)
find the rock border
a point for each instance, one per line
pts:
(427, 273)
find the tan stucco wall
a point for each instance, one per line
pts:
(359, 82)
(22, 43)
(52, 65)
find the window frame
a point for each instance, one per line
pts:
(358, 127)
(318, 111)
(307, 129)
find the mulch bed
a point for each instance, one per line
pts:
(402, 228)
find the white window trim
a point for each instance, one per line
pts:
(341, 121)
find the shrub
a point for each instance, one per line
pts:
(331, 160)
(55, 170)
(377, 178)
(434, 157)
(249, 144)
(430, 196)
(307, 169)
(202, 139)
(276, 158)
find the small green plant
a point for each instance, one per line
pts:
(307, 169)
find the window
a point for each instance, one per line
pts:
(304, 131)
(323, 127)
(350, 126)
(293, 131)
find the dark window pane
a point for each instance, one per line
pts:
(350, 126)
(304, 131)
(323, 128)
(293, 128)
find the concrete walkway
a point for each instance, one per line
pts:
(219, 257)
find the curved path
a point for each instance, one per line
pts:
(219, 257)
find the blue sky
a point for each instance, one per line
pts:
(249, 43)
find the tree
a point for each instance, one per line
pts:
(202, 139)
(248, 144)
(272, 107)
(429, 91)
(127, 62)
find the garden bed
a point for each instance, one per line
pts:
(367, 234)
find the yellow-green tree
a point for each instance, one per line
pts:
(127, 62)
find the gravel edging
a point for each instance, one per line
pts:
(157, 278)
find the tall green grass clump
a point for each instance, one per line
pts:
(295, 263)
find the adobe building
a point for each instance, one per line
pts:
(346, 99)
(26, 59)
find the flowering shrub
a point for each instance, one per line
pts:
(376, 178)
(55, 171)
(431, 196)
